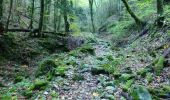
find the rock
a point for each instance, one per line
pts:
(78, 77)
(140, 93)
(110, 97)
(98, 70)
(45, 93)
(110, 89)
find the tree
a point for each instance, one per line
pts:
(67, 25)
(1, 15)
(137, 20)
(41, 17)
(47, 10)
(92, 14)
(160, 12)
(32, 14)
(1, 9)
(9, 16)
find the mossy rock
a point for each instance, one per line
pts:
(60, 71)
(140, 93)
(98, 70)
(45, 67)
(87, 49)
(27, 93)
(125, 77)
(158, 93)
(142, 72)
(18, 79)
(159, 65)
(39, 84)
(78, 77)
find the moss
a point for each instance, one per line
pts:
(149, 77)
(125, 77)
(87, 49)
(27, 93)
(60, 71)
(78, 77)
(39, 84)
(45, 67)
(160, 92)
(142, 72)
(18, 79)
(5, 97)
(159, 65)
(54, 94)
(126, 86)
(98, 70)
(140, 93)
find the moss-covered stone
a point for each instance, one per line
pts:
(125, 77)
(140, 93)
(159, 65)
(27, 93)
(87, 49)
(39, 84)
(45, 67)
(98, 70)
(60, 71)
(160, 92)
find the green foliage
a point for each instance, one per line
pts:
(126, 86)
(39, 84)
(120, 29)
(46, 66)
(149, 77)
(60, 71)
(27, 93)
(87, 49)
(125, 77)
(140, 93)
(110, 64)
(159, 65)
(18, 79)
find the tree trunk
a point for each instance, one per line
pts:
(1, 10)
(67, 25)
(160, 11)
(47, 13)
(32, 14)
(55, 16)
(9, 16)
(137, 20)
(92, 15)
(41, 17)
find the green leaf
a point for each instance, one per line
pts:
(141, 93)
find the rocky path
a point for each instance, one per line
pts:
(91, 87)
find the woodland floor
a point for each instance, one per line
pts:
(86, 80)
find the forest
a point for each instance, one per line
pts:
(84, 49)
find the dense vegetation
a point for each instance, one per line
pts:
(84, 49)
